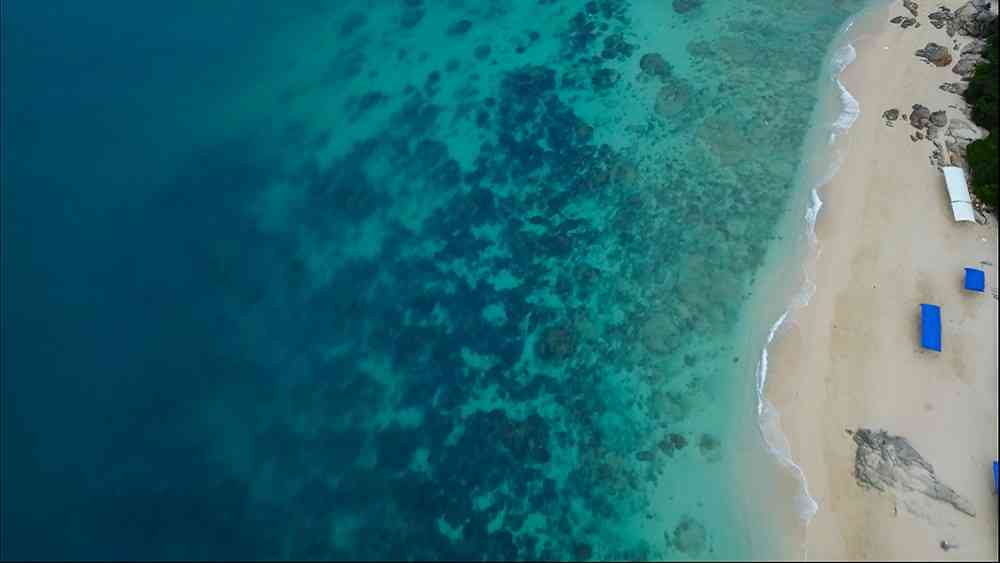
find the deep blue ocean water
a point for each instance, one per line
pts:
(413, 279)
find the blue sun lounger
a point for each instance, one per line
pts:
(930, 334)
(996, 477)
(975, 280)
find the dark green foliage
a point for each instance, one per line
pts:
(982, 92)
(982, 158)
(983, 96)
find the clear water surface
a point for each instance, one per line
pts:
(395, 279)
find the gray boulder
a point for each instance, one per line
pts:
(966, 66)
(940, 18)
(972, 19)
(963, 131)
(920, 117)
(939, 118)
(938, 55)
(890, 464)
(911, 6)
(974, 47)
(954, 87)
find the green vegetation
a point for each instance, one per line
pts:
(982, 95)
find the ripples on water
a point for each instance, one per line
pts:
(428, 280)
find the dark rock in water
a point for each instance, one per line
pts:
(672, 443)
(689, 537)
(645, 455)
(582, 552)
(616, 48)
(939, 118)
(890, 464)
(482, 52)
(896, 19)
(352, 22)
(920, 117)
(890, 114)
(938, 55)
(653, 64)
(684, 6)
(411, 18)
(529, 81)
(370, 100)
(708, 443)
(604, 78)
(556, 343)
(672, 99)
(911, 6)
(460, 27)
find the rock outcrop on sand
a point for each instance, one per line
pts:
(954, 87)
(937, 55)
(890, 464)
(957, 137)
(920, 117)
(911, 6)
(970, 56)
(940, 18)
(972, 19)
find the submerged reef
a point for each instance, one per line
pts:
(489, 281)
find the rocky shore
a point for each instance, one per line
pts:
(966, 27)
(850, 364)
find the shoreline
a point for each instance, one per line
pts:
(835, 113)
(874, 233)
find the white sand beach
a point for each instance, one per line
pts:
(852, 359)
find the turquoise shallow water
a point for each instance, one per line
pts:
(411, 280)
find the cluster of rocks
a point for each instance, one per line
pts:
(972, 19)
(970, 56)
(957, 137)
(954, 87)
(929, 125)
(890, 464)
(922, 118)
(937, 55)
(940, 18)
(905, 22)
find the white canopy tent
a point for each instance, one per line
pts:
(958, 193)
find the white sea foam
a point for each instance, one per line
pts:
(850, 108)
(768, 416)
